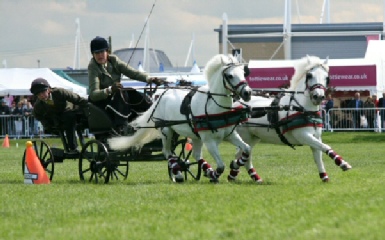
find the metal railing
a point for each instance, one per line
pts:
(17, 126)
(336, 119)
(351, 119)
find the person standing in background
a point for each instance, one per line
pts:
(4, 121)
(376, 113)
(381, 108)
(329, 105)
(369, 111)
(356, 104)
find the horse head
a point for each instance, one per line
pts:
(311, 75)
(234, 77)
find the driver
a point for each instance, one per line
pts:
(104, 74)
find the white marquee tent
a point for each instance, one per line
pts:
(17, 81)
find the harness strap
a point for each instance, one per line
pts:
(185, 109)
(207, 115)
(283, 139)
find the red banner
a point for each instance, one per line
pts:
(345, 76)
(340, 76)
(269, 77)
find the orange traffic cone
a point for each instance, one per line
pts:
(33, 171)
(6, 141)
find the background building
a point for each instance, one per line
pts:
(267, 41)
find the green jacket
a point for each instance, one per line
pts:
(101, 78)
(60, 100)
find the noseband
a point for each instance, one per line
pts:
(226, 79)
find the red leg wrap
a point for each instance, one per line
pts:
(324, 177)
(233, 174)
(243, 159)
(173, 164)
(253, 174)
(207, 170)
(337, 158)
(204, 165)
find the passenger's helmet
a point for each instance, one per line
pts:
(39, 85)
(98, 44)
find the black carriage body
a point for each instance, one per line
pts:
(97, 162)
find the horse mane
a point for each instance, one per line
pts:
(302, 66)
(216, 62)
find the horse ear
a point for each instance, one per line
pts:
(326, 60)
(308, 59)
(222, 60)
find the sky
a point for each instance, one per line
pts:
(41, 33)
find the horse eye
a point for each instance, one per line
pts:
(309, 76)
(229, 76)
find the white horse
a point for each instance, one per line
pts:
(301, 124)
(208, 117)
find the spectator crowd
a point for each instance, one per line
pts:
(16, 117)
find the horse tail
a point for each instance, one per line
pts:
(146, 132)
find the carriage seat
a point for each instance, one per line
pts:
(98, 119)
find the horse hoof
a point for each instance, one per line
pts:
(345, 166)
(325, 179)
(259, 181)
(214, 180)
(230, 179)
(179, 180)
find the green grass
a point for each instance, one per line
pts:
(292, 203)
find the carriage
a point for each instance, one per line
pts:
(97, 162)
(107, 156)
(206, 116)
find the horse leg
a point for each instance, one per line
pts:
(339, 161)
(212, 148)
(167, 134)
(243, 158)
(308, 138)
(317, 155)
(202, 163)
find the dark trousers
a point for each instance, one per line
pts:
(69, 127)
(356, 119)
(370, 119)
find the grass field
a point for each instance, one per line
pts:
(292, 203)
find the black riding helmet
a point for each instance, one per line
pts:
(39, 85)
(98, 44)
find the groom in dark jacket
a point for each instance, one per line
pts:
(381, 106)
(357, 104)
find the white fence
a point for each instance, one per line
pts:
(351, 119)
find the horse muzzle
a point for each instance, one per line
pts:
(317, 98)
(245, 93)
